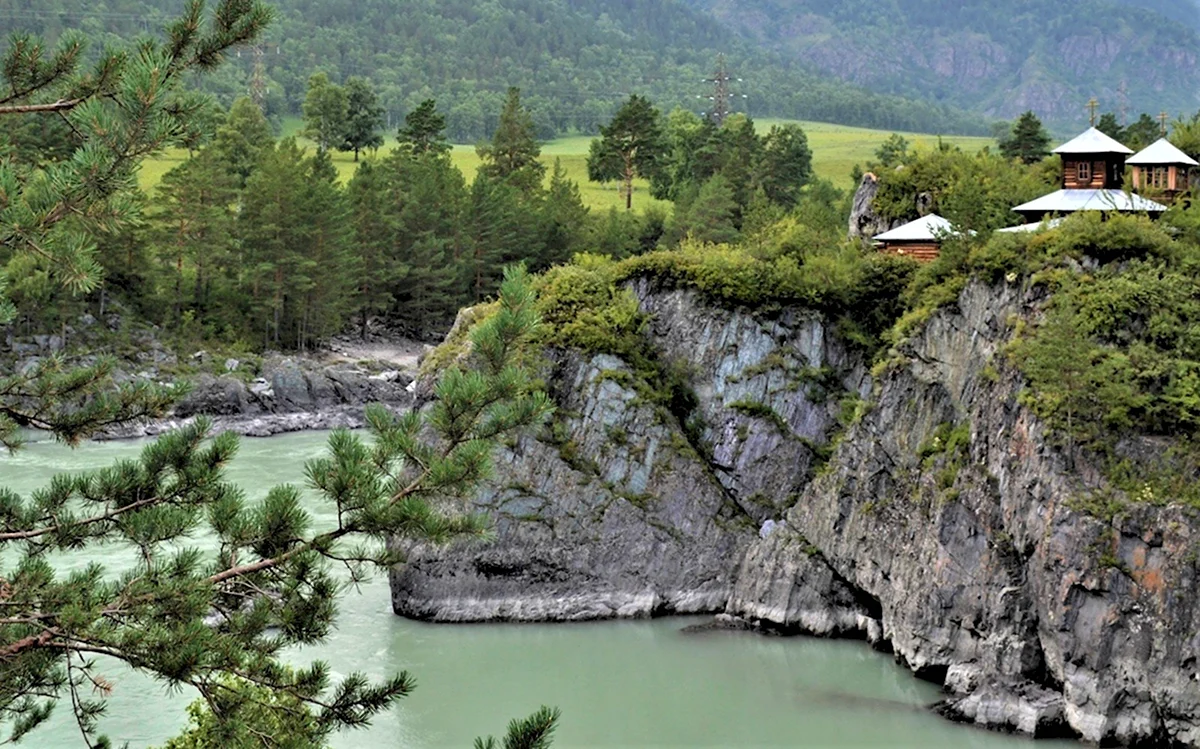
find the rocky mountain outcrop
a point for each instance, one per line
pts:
(946, 527)
(1047, 56)
(865, 222)
(632, 505)
(978, 566)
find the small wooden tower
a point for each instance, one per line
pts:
(1093, 161)
(920, 239)
(1092, 178)
(1163, 168)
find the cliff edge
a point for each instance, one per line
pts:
(925, 509)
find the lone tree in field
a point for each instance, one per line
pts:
(630, 146)
(218, 622)
(1027, 141)
(424, 131)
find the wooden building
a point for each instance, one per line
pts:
(1093, 161)
(1163, 169)
(1093, 179)
(920, 239)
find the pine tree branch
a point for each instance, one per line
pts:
(62, 105)
(40, 640)
(38, 532)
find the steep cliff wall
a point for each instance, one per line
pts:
(632, 505)
(944, 527)
(975, 567)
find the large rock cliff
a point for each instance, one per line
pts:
(944, 527)
(636, 503)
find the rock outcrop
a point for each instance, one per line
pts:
(289, 395)
(865, 223)
(631, 505)
(946, 527)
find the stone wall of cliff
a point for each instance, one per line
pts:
(975, 565)
(629, 506)
(942, 525)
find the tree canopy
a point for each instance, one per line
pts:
(630, 146)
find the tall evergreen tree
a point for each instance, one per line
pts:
(193, 228)
(498, 229)
(711, 216)
(1109, 125)
(424, 130)
(326, 110)
(374, 240)
(429, 196)
(241, 140)
(786, 164)
(1142, 132)
(564, 220)
(364, 117)
(1027, 141)
(630, 146)
(741, 160)
(513, 154)
(273, 229)
(327, 268)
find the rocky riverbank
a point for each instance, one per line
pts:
(924, 509)
(259, 398)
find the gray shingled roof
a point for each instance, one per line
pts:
(1092, 141)
(1161, 153)
(929, 228)
(1070, 201)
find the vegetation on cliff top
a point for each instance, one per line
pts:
(1114, 361)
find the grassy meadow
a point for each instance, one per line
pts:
(836, 149)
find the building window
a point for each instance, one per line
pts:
(1083, 172)
(1158, 178)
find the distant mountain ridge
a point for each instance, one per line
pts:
(575, 60)
(1000, 59)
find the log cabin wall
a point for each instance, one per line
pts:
(1089, 174)
(922, 251)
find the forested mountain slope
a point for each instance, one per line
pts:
(574, 59)
(1050, 56)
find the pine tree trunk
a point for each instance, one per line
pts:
(628, 185)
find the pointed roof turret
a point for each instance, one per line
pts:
(1161, 153)
(1092, 140)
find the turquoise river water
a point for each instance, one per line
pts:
(636, 684)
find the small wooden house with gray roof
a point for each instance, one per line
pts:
(1161, 167)
(920, 239)
(1093, 161)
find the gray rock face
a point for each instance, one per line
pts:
(624, 511)
(971, 564)
(1036, 617)
(865, 223)
(291, 395)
